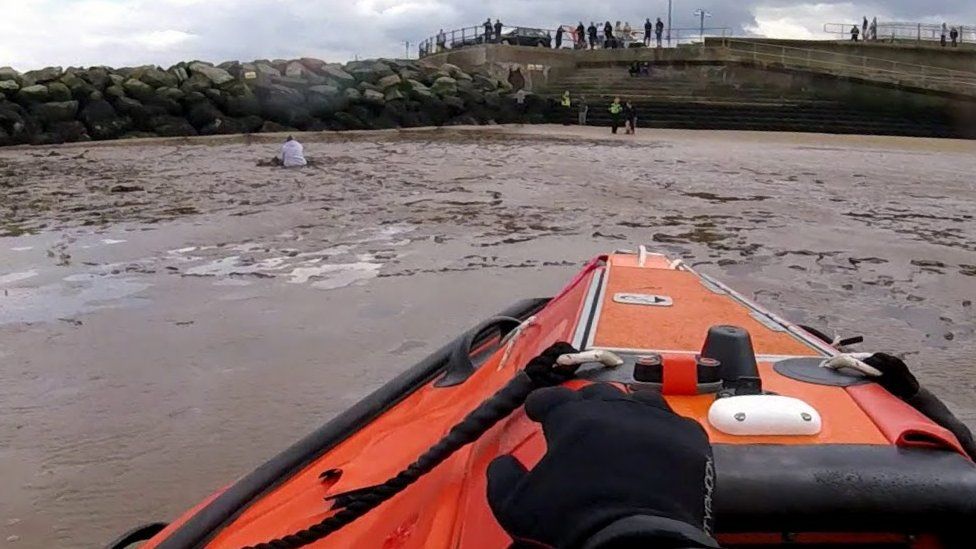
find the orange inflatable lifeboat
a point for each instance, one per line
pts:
(804, 455)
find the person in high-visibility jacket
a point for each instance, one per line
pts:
(615, 110)
(567, 104)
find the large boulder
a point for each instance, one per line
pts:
(138, 89)
(295, 69)
(168, 105)
(9, 87)
(394, 94)
(338, 75)
(114, 91)
(324, 90)
(455, 72)
(455, 103)
(56, 91)
(266, 70)
(33, 94)
(156, 77)
(48, 74)
(202, 114)
(313, 64)
(8, 73)
(171, 126)
(102, 121)
(445, 85)
(243, 105)
(141, 114)
(373, 97)
(15, 121)
(196, 83)
(97, 77)
(216, 75)
(59, 111)
(485, 83)
(174, 94)
(389, 81)
(217, 97)
(78, 87)
(352, 94)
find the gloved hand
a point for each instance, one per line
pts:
(895, 376)
(899, 381)
(619, 469)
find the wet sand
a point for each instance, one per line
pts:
(172, 314)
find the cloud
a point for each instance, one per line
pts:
(37, 33)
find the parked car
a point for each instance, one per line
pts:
(527, 37)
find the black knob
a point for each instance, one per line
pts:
(709, 370)
(649, 369)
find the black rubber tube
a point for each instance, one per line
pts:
(196, 531)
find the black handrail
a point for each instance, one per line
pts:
(473, 36)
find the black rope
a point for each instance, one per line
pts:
(538, 374)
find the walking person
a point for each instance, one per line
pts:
(630, 118)
(874, 29)
(559, 37)
(864, 28)
(580, 36)
(615, 111)
(954, 36)
(488, 27)
(584, 109)
(607, 35)
(648, 29)
(944, 29)
(498, 30)
(593, 35)
(854, 32)
(441, 40)
(659, 30)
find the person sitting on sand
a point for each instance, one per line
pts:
(292, 154)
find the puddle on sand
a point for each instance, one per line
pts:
(340, 276)
(16, 277)
(78, 294)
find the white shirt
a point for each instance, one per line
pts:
(293, 154)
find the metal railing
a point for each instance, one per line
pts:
(855, 65)
(903, 32)
(528, 36)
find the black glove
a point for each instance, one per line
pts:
(619, 469)
(895, 376)
(899, 381)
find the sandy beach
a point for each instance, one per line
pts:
(172, 313)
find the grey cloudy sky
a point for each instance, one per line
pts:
(37, 33)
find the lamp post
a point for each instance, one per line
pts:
(669, 23)
(702, 14)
